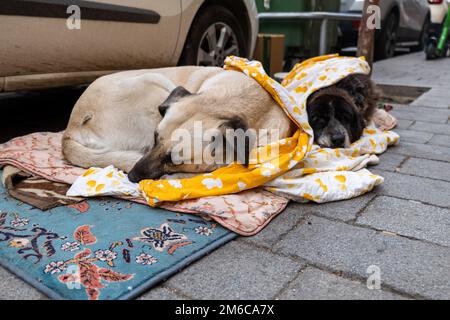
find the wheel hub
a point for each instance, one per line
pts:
(218, 42)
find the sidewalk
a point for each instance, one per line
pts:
(323, 251)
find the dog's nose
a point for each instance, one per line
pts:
(133, 176)
(141, 172)
(338, 139)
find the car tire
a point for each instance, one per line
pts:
(213, 21)
(387, 40)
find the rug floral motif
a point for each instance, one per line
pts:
(100, 249)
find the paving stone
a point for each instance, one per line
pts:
(315, 284)
(236, 271)
(440, 140)
(435, 98)
(434, 192)
(389, 161)
(409, 266)
(422, 113)
(412, 70)
(439, 92)
(433, 102)
(408, 218)
(284, 222)
(435, 128)
(427, 168)
(422, 151)
(403, 124)
(12, 288)
(161, 293)
(340, 210)
(414, 136)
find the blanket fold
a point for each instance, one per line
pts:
(36, 191)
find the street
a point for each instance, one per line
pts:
(400, 231)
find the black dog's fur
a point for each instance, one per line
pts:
(339, 114)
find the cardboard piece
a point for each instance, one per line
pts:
(270, 51)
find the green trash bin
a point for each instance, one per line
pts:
(302, 36)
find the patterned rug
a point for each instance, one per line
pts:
(100, 249)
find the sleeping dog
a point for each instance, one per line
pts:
(339, 114)
(126, 119)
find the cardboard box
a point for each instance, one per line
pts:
(270, 51)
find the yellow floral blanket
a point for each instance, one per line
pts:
(284, 173)
(300, 170)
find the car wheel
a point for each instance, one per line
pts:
(214, 35)
(387, 41)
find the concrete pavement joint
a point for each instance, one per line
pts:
(359, 213)
(353, 222)
(280, 237)
(271, 251)
(393, 234)
(418, 201)
(298, 223)
(435, 135)
(417, 156)
(348, 275)
(320, 215)
(412, 123)
(355, 277)
(288, 284)
(412, 175)
(340, 273)
(399, 117)
(401, 163)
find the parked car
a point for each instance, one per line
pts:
(404, 23)
(42, 47)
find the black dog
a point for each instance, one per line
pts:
(339, 114)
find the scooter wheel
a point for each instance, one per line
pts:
(430, 51)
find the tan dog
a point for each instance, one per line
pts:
(129, 117)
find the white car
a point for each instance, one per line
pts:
(51, 43)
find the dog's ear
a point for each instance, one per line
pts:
(175, 95)
(363, 91)
(239, 129)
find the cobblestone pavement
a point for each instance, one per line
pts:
(323, 251)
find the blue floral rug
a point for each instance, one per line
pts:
(100, 249)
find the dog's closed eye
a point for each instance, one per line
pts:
(344, 116)
(318, 122)
(167, 158)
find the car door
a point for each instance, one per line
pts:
(41, 36)
(413, 14)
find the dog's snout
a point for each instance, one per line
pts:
(142, 171)
(338, 139)
(134, 176)
(139, 172)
